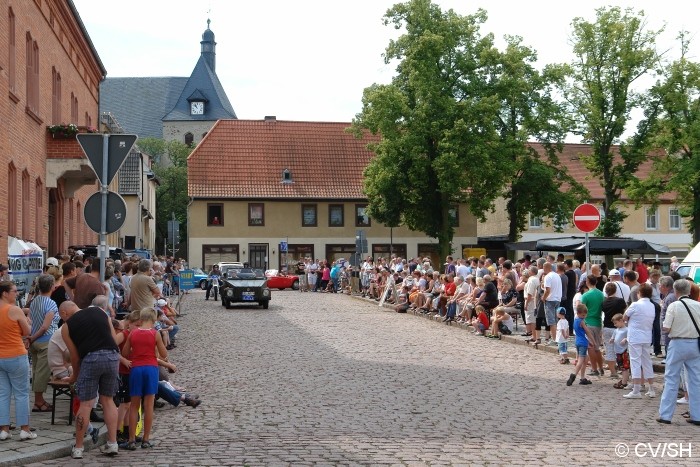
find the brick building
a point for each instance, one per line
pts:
(49, 74)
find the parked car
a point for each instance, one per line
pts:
(244, 285)
(200, 278)
(280, 280)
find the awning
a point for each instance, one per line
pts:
(597, 245)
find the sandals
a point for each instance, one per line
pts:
(686, 415)
(146, 445)
(45, 407)
(619, 385)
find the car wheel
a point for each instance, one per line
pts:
(295, 285)
(227, 304)
(203, 284)
(265, 304)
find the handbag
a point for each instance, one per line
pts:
(692, 319)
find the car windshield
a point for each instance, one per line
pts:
(244, 273)
(197, 271)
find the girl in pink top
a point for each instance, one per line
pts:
(140, 347)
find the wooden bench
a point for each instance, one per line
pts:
(61, 388)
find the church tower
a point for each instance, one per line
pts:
(202, 101)
(209, 47)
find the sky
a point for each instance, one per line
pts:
(311, 59)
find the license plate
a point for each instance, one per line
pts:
(249, 296)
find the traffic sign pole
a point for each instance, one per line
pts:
(104, 190)
(106, 154)
(587, 219)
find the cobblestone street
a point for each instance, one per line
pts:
(330, 379)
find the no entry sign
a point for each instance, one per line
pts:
(586, 217)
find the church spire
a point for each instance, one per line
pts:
(209, 47)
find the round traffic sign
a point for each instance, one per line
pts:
(116, 212)
(586, 217)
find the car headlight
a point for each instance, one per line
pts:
(266, 292)
(229, 293)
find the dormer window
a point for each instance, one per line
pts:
(197, 102)
(287, 176)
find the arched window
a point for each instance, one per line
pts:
(39, 204)
(55, 96)
(12, 199)
(189, 139)
(26, 203)
(32, 74)
(12, 51)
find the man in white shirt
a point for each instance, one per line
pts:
(552, 297)
(682, 322)
(462, 269)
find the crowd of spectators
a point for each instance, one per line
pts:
(75, 330)
(618, 318)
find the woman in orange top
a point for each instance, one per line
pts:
(14, 365)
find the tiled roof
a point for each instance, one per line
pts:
(204, 82)
(246, 158)
(569, 158)
(139, 104)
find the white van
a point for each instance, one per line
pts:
(690, 266)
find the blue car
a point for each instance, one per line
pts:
(200, 278)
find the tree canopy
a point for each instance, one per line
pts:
(455, 123)
(171, 194)
(611, 54)
(676, 132)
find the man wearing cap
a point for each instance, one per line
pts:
(51, 261)
(623, 290)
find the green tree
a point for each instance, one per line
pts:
(171, 194)
(438, 145)
(676, 167)
(611, 54)
(538, 184)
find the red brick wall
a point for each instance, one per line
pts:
(23, 138)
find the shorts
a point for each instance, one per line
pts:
(597, 333)
(623, 361)
(123, 395)
(99, 373)
(582, 351)
(143, 381)
(503, 329)
(550, 312)
(608, 334)
(563, 348)
(481, 326)
(540, 323)
(530, 317)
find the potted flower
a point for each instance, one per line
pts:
(63, 130)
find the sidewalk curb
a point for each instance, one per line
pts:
(51, 451)
(658, 368)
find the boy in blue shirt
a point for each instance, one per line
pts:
(583, 339)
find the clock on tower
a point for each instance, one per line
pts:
(197, 108)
